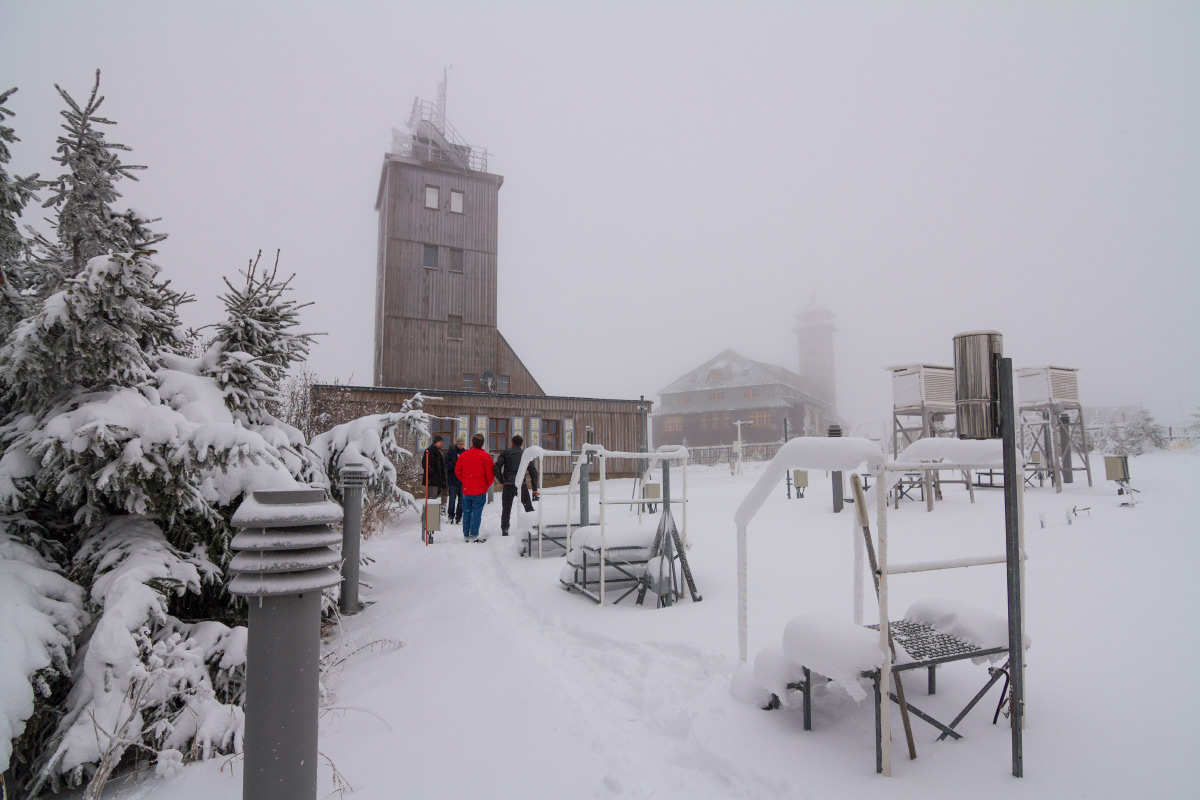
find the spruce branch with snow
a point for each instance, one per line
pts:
(15, 194)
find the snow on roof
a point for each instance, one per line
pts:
(735, 371)
(809, 452)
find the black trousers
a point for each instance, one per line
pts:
(506, 501)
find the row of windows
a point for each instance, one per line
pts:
(750, 392)
(720, 420)
(433, 197)
(552, 434)
(429, 257)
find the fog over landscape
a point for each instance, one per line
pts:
(681, 177)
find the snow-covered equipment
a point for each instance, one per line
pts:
(354, 480)
(595, 558)
(922, 404)
(285, 560)
(927, 636)
(1116, 468)
(1052, 426)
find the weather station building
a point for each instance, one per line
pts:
(435, 305)
(702, 408)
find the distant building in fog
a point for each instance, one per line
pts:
(814, 331)
(702, 406)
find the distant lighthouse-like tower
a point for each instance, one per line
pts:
(814, 332)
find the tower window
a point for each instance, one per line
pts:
(469, 381)
(454, 327)
(456, 260)
(431, 196)
(429, 257)
(457, 201)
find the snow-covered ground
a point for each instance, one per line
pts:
(506, 686)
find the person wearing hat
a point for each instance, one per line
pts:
(454, 487)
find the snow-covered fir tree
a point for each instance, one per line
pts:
(123, 454)
(88, 224)
(1130, 435)
(15, 193)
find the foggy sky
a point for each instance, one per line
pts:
(682, 177)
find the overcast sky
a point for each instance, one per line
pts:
(682, 177)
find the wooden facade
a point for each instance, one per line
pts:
(556, 423)
(435, 298)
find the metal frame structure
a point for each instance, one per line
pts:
(848, 454)
(1052, 424)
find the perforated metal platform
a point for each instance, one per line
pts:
(923, 643)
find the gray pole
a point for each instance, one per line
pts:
(286, 559)
(835, 432)
(354, 479)
(1068, 471)
(1016, 627)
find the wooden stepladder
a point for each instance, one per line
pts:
(860, 508)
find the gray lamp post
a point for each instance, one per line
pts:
(286, 559)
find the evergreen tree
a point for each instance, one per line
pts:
(87, 225)
(256, 345)
(109, 328)
(15, 193)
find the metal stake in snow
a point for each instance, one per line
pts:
(354, 479)
(835, 432)
(286, 559)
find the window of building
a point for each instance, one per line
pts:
(456, 259)
(704, 422)
(502, 384)
(750, 391)
(458, 201)
(454, 327)
(672, 424)
(716, 395)
(443, 428)
(684, 399)
(431, 196)
(716, 375)
(550, 434)
(429, 256)
(762, 416)
(470, 381)
(497, 434)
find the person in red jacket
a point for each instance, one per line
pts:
(474, 468)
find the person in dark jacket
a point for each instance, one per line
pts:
(507, 464)
(433, 469)
(454, 487)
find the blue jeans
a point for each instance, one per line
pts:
(472, 513)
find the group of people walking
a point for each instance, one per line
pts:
(464, 476)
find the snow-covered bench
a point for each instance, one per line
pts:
(819, 648)
(623, 553)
